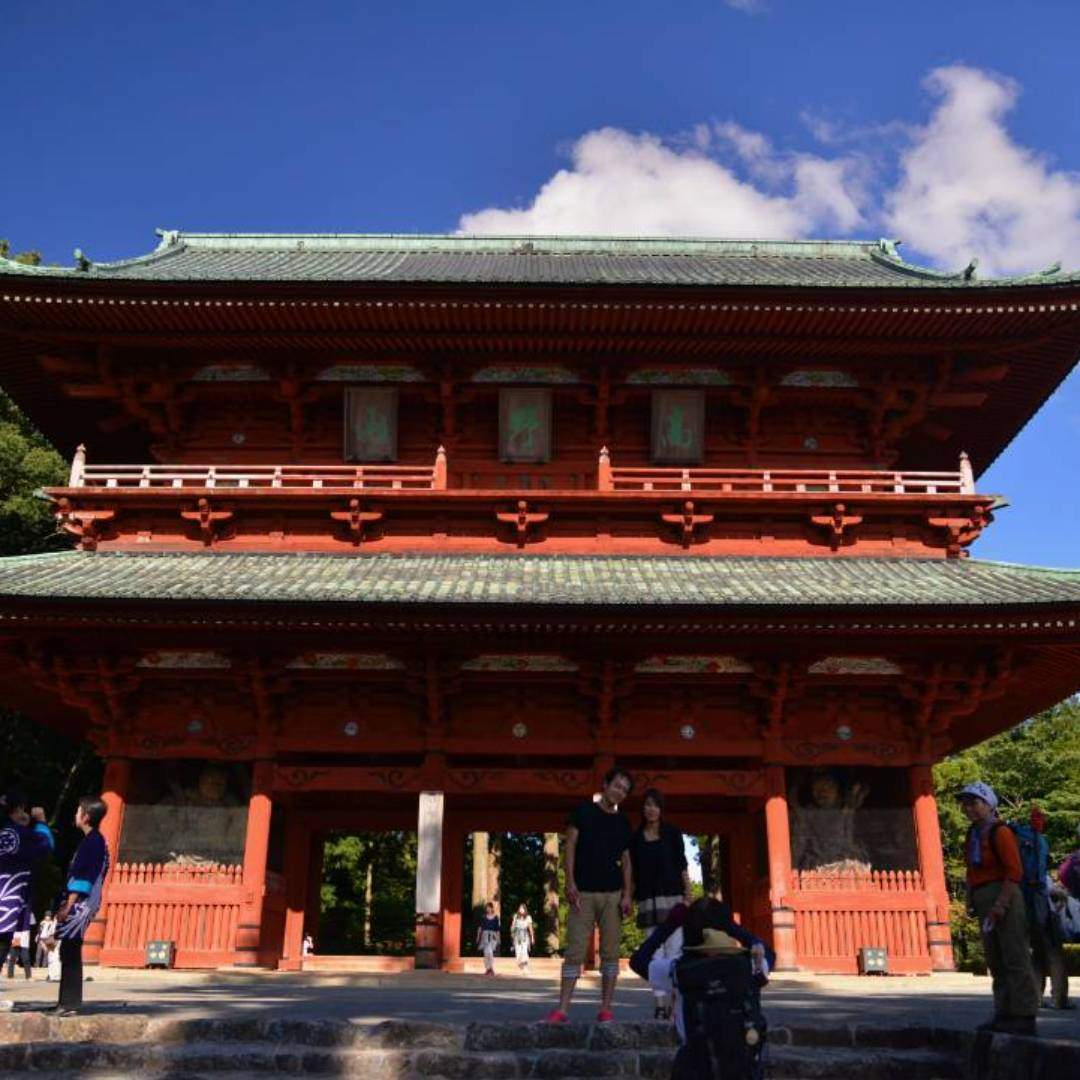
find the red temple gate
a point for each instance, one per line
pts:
(432, 533)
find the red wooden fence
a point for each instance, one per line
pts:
(837, 914)
(196, 907)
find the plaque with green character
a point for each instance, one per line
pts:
(678, 427)
(371, 420)
(525, 425)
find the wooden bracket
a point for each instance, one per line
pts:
(208, 520)
(523, 521)
(87, 525)
(687, 522)
(356, 519)
(959, 532)
(839, 524)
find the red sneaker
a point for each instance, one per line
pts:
(556, 1016)
(605, 1016)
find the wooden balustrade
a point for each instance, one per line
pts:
(609, 478)
(836, 914)
(195, 906)
(784, 481)
(274, 477)
(887, 881)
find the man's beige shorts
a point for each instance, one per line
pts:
(595, 908)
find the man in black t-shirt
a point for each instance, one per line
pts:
(599, 889)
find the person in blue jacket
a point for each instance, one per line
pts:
(80, 900)
(25, 840)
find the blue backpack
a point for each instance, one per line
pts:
(1034, 856)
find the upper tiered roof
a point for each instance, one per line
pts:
(525, 260)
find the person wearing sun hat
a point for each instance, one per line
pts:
(994, 874)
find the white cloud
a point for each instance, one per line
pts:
(748, 7)
(621, 183)
(967, 188)
(963, 186)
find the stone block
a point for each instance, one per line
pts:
(655, 1064)
(582, 1063)
(631, 1036)
(405, 1034)
(459, 1066)
(915, 1037)
(821, 1035)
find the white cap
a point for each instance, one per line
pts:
(979, 790)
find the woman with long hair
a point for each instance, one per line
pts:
(523, 935)
(661, 876)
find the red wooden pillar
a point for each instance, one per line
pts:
(297, 855)
(114, 794)
(256, 844)
(931, 866)
(778, 833)
(740, 847)
(313, 907)
(453, 883)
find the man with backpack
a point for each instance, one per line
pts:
(995, 874)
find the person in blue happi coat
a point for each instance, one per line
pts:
(80, 900)
(25, 840)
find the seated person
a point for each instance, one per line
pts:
(691, 923)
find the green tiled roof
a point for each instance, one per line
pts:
(522, 260)
(537, 580)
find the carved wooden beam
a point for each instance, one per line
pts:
(959, 532)
(356, 519)
(687, 522)
(89, 526)
(523, 521)
(839, 524)
(209, 521)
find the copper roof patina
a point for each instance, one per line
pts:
(524, 260)
(532, 581)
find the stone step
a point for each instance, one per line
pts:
(234, 1059)
(124, 1028)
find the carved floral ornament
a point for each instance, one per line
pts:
(183, 659)
(693, 665)
(345, 661)
(854, 665)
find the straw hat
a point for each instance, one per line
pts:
(716, 941)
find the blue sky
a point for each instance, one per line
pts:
(953, 126)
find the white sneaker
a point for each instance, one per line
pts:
(5, 1005)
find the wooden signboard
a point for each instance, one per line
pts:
(678, 427)
(524, 425)
(371, 424)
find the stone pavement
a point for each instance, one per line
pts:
(957, 1002)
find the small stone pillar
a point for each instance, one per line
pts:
(114, 793)
(256, 845)
(778, 834)
(931, 866)
(429, 845)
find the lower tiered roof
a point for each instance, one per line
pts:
(532, 580)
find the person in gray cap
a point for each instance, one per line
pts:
(994, 874)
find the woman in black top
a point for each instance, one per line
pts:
(661, 875)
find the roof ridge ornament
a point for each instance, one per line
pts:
(167, 238)
(82, 263)
(968, 273)
(888, 247)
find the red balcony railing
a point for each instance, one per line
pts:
(609, 478)
(785, 481)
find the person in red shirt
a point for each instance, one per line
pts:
(994, 874)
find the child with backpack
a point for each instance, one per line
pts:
(995, 874)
